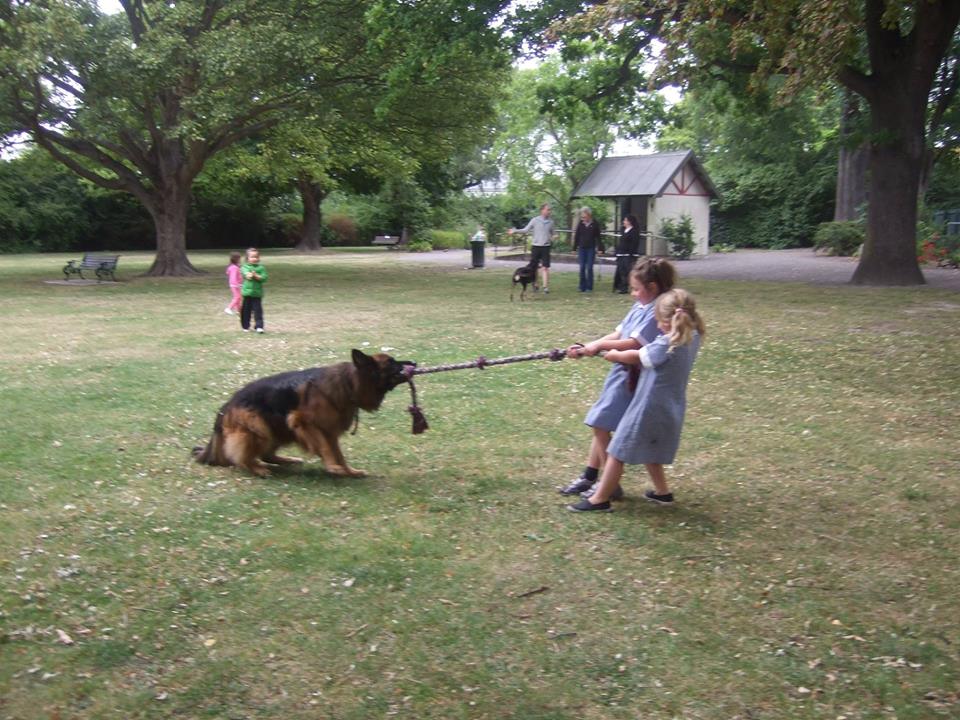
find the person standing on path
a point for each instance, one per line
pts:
(586, 243)
(541, 229)
(627, 251)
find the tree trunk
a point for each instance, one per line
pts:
(896, 156)
(170, 220)
(902, 70)
(311, 194)
(852, 163)
(890, 254)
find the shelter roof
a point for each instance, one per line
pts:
(631, 175)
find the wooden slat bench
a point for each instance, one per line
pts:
(389, 241)
(102, 265)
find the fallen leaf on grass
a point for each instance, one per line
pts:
(64, 638)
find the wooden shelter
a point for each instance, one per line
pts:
(655, 187)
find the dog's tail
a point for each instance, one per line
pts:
(212, 452)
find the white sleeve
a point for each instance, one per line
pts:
(645, 357)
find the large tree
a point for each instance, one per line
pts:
(886, 51)
(551, 137)
(141, 100)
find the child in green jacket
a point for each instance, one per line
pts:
(254, 276)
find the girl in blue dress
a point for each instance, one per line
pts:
(649, 278)
(649, 432)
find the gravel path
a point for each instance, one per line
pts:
(799, 265)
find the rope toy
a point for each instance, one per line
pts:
(411, 369)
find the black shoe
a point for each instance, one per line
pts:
(617, 494)
(577, 486)
(651, 496)
(587, 506)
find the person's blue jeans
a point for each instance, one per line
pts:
(586, 256)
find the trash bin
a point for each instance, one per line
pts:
(478, 244)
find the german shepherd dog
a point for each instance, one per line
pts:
(311, 408)
(524, 276)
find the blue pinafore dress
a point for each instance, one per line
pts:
(650, 429)
(641, 324)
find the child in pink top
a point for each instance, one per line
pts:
(235, 281)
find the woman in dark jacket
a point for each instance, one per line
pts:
(627, 251)
(586, 243)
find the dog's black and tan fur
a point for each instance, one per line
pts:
(311, 408)
(526, 275)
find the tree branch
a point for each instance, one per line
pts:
(137, 18)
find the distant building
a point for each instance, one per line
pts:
(655, 187)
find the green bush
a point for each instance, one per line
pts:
(838, 238)
(342, 229)
(420, 246)
(679, 236)
(445, 239)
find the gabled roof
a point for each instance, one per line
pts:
(639, 175)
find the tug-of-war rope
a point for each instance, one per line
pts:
(420, 422)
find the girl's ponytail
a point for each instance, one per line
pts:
(679, 307)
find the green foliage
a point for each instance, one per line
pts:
(446, 239)
(419, 246)
(678, 233)
(775, 167)
(943, 192)
(328, 90)
(46, 208)
(548, 149)
(342, 230)
(42, 206)
(289, 226)
(839, 238)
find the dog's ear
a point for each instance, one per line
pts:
(362, 360)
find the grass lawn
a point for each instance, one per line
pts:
(810, 569)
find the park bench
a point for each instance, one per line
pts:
(389, 241)
(102, 265)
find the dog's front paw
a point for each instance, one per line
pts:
(260, 470)
(345, 471)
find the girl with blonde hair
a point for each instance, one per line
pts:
(649, 433)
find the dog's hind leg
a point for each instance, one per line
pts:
(243, 449)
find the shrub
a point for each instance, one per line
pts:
(445, 239)
(342, 229)
(679, 236)
(420, 246)
(291, 226)
(838, 238)
(938, 249)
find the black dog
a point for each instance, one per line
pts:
(526, 275)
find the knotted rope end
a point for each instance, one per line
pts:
(419, 421)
